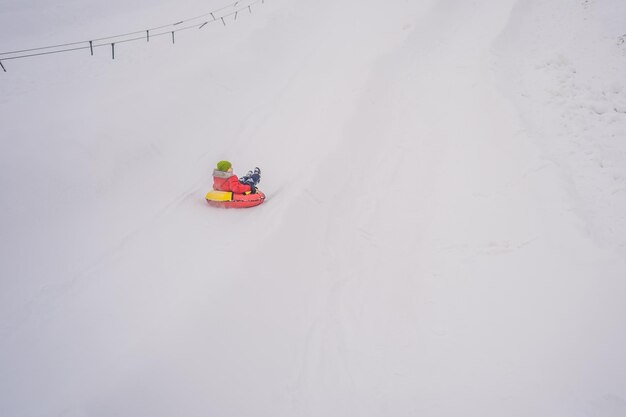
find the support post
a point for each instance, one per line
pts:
(223, 21)
(173, 41)
(91, 47)
(147, 35)
(112, 51)
(3, 69)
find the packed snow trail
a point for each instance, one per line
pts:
(419, 253)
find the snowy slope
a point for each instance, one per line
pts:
(444, 233)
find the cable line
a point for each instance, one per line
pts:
(145, 32)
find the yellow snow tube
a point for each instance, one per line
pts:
(228, 199)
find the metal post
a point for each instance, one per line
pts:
(91, 47)
(223, 21)
(147, 36)
(173, 37)
(3, 69)
(236, 15)
(113, 51)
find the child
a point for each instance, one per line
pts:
(252, 177)
(225, 180)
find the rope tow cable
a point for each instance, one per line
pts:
(94, 43)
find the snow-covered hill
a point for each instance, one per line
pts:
(444, 235)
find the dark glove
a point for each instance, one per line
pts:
(252, 189)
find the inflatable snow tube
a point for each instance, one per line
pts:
(228, 199)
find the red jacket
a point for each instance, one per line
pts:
(225, 181)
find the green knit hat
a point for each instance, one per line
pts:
(224, 166)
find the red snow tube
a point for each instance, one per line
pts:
(228, 199)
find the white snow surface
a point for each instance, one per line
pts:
(444, 235)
